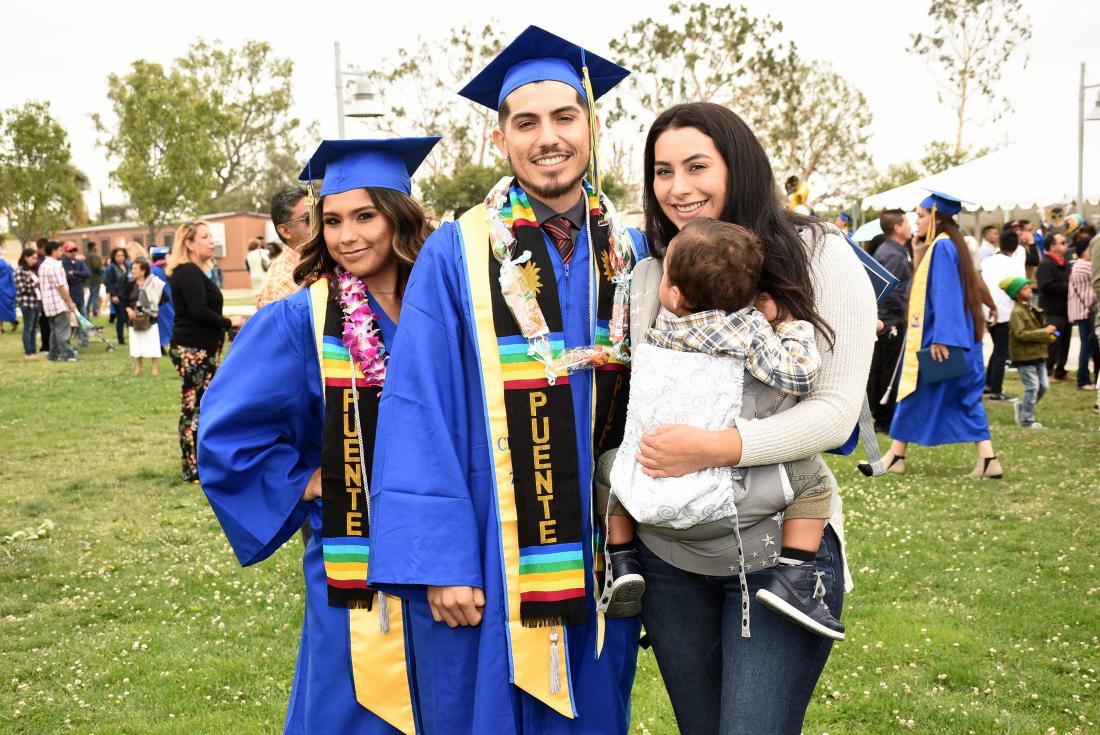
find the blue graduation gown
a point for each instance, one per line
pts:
(260, 428)
(7, 292)
(949, 411)
(434, 511)
(167, 312)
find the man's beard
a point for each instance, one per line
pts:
(554, 187)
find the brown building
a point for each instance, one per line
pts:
(232, 232)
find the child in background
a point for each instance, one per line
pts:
(692, 369)
(1028, 341)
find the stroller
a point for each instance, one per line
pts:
(93, 331)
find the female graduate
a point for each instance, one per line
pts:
(945, 315)
(290, 418)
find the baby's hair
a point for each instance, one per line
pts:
(716, 265)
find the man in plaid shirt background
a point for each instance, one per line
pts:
(57, 304)
(290, 215)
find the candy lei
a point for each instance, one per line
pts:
(523, 304)
(361, 335)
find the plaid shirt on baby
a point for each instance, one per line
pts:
(786, 358)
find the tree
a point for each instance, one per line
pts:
(162, 141)
(109, 213)
(249, 90)
(809, 119)
(467, 186)
(939, 155)
(816, 127)
(78, 214)
(970, 42)
(420, 85)
(38, 189)
(896, 174)
(708, 54)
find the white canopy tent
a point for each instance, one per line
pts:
(1019, 176)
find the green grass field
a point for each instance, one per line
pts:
(122, 609)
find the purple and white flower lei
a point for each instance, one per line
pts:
(361, 335)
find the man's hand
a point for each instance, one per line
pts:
(456, 605)
(1050, 329)
(114, 299)
(313, 487)
(939, 352)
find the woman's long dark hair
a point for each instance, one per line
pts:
(752, 201)
(27, 252)
(411, 228)
(968, 274)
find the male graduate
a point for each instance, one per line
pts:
(508, 376)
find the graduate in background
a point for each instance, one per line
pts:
(508, 377)
(291, 417)
(167, 313)
(945, 315)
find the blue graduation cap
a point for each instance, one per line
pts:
(539, 56)
(944, 203)
(353, 164)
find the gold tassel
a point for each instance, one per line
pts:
(593, 135)
(930, 236)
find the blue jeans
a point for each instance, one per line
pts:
(30, 328)
(1090, 350)
(93, 299)
(1034, 378)
(718, 681)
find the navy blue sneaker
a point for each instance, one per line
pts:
(796, 593)
(627, 585)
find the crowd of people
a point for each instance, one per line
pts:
(163, 302)
(1032, 287)
(484, 433)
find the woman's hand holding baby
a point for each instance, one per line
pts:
(675, 450)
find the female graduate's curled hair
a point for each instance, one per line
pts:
(752, 201)
(411, 228)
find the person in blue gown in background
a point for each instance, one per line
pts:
(7, 294)
(167, 312)
(438, 499)
(945, 315)
(263, 437)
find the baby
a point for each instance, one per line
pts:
(691, 369)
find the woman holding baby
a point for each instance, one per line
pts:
(702, 161)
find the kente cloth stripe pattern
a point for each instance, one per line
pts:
(520, 370)
(346, 562)
(541, 439)
(603, 339)
(559, 228)
(334, 364)
(551, 573)
(345, 527)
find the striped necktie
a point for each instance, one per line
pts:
(559, 229)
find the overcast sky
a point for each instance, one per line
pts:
(63, 51)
